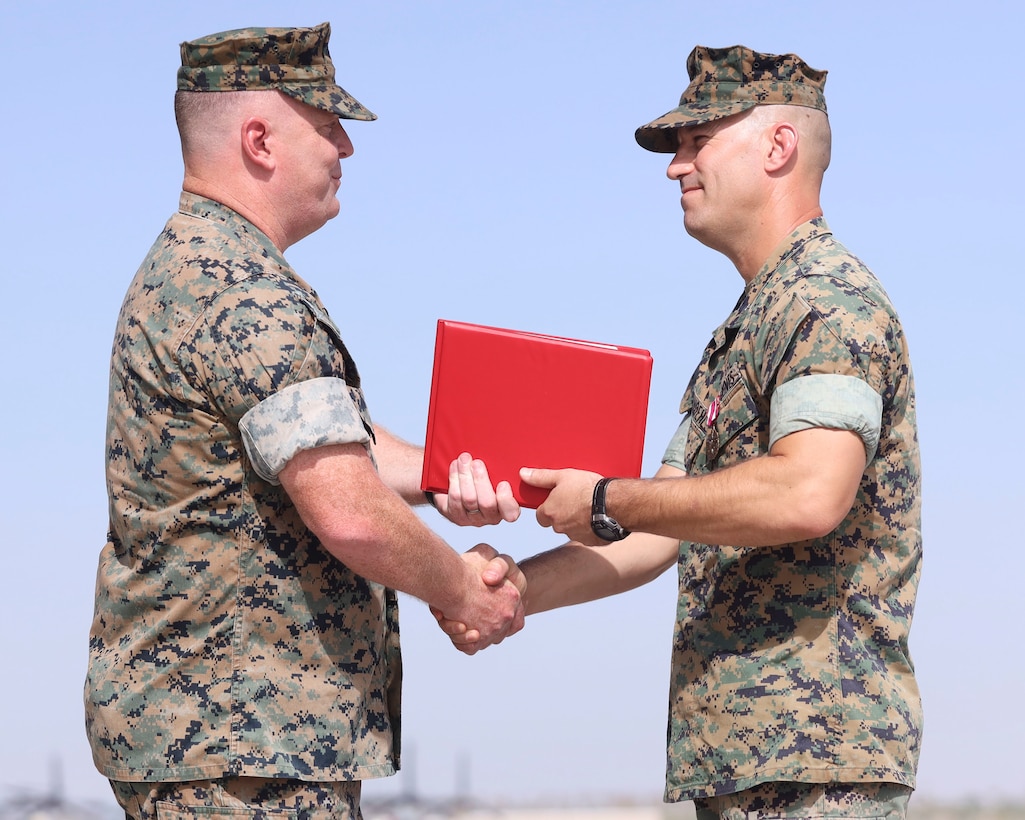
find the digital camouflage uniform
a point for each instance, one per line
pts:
(226, 639)
(230, 654)
(791, 663)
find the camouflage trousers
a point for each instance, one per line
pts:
(239, 798)
(807, 801)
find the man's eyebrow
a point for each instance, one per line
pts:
(692, 132)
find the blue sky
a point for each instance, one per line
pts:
(502, 185)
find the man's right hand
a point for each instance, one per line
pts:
(493, 607)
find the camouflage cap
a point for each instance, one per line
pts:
(725, 81)
(294, 61)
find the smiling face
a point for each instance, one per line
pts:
(719, 166)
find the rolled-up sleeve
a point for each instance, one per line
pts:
(303, 416)
(827, 400)
(676, 451)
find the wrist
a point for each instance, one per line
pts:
(454, 595)
(602, 524)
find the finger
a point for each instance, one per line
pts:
(471, 499)
(452, 500)
(535, 477)
(497, 569)
(543, 518)
(487, 503)
(458, 632)
(508, 506)
(513, 573)
(464, 637)
(452, 628)
(485, 510)
(462, 471)
(484, 550)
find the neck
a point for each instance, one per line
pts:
(249, 204)
(751, 256)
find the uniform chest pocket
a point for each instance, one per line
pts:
(737, 410)
(728, 428)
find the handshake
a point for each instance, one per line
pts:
(489, 605)
(492, 602)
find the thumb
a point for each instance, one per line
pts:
(538, 478)
(495, 572)
(514, 574)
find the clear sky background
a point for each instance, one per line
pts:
(502, 185)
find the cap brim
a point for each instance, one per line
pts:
(331, 98)
(659, 135)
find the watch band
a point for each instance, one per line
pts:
(603, 525)
(598, 499)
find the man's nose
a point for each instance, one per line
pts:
(679, 166)
(345, 148)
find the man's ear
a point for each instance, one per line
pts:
(255, 148)
(783, 147)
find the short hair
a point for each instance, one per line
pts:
(202, 115)
(812, 125)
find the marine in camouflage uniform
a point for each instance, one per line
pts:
(211, 590)
(793, 691)
(791, 662)
(231, 654)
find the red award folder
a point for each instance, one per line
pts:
(517, 399)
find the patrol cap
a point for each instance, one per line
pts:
(294, 61)
(725, 81)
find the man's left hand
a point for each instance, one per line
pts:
(472, 500)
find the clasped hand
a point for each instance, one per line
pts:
(567, 510)
(493, 607)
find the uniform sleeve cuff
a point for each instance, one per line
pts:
(827, 400)
(303, 416)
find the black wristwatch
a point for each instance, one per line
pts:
(605, 526)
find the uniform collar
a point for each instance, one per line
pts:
(803, 234)
(797, 239)
(211, 210)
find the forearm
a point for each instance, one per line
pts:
(386, 542)
(367, 526)
(800, 491)
(400, 465)
(574, 573)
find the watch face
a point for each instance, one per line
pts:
(607, 528)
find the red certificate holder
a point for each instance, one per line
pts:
(517, 399)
